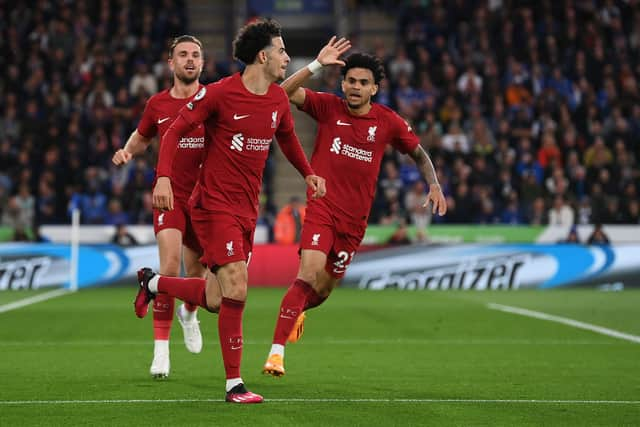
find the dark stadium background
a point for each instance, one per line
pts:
(526, 107)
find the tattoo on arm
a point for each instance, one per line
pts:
(425, 166)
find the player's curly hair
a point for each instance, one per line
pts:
(363, 60)
(181, 39)
(254, 37)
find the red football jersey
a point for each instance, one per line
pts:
(160, 111)
(239, 127)
(349, 149)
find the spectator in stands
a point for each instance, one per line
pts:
(465, 207)
(420, 216)
(391, 184)
(10, 126)
(143, 81)
(556, 183)
(537, 212)
(598, 155)
(612, 213)
(455, 141)
(400, 235)
(400, 64)
(632, 213)
(20, 235)
(123, 237)
(266, 219)
(482, 138)
(564, 73)
(598, 236)
(17, 214)
(470, 83)
(511, 213)
(37, 236)
(144, 215)
(26, 204)
(384, 95)
(115, 214)
(584, 212)
(288, 222)
(561, 213)
(486, 214)
(91, 201)
(100, 96)
(549, 154)
(572, 237)
(527, 165)
(406, 98)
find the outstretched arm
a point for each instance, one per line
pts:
(328, 55)
(135, 145)
(292, 150)
(428, 172)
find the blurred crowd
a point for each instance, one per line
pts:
(529, 109)
(74, 79)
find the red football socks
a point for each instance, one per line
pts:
(163, 306)
(292, 305)
(230, 332)
(191, 290)
(313, 299)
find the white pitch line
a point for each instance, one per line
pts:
(32, 300)
(295, 400)
(427, 342)
(566, 321)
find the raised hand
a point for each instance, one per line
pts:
(330, 53)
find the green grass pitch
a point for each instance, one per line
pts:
(367, 359)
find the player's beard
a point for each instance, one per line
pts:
(360, 104)
(186, 79)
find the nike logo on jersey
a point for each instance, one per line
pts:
(341, 123)
(160, 121)
(237, 117)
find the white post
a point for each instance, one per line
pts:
(75, 242)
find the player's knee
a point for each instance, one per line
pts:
(195, 270)
(323, 292)
(309, 274)
(170, 267)
(213, 306)
(308, 278)
(324, 284)
(322, 288)
(238, 293)
(235, 278)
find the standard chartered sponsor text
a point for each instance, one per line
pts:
(191, 142)
(357, 153)
(257, 144)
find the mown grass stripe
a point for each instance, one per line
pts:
(565, 321)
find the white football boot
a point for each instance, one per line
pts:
(190, 329)
(160, 365)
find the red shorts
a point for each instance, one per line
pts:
(178, 218)
(225, 238)
(338, 238)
